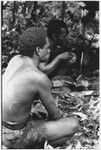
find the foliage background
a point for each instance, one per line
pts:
(17, 16)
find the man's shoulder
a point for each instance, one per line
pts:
(41, 79)
(33, 75)
(37, 75)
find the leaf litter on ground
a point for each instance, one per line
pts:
(83, 103)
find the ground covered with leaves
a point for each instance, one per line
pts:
(78, 98)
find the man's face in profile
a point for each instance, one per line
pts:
(61, 37)
(45, 51)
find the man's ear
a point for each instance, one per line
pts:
(38, 51)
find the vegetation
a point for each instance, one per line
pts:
(82, 100)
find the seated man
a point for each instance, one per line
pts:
(23, 82)
(61, 56)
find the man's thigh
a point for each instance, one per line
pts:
(54, 130)
(61, 128)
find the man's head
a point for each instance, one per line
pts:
(57, 30)
(34, 41)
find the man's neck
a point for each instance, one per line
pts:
(34, 61)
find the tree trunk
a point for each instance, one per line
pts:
(33, 13)
(63, 11)
(1, 13)
(13, 16)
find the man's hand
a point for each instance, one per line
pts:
(71, 57)
(63, 56)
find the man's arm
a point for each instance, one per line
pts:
(44, 90)
(49, 68)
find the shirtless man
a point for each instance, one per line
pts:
(58, 62)
(22, 83)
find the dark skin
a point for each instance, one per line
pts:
(62, 60)
(22, 82)
(17, 100)
(49, 68)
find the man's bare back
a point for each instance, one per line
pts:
(20, 89)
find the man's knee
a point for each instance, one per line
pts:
(71, 125)
(62, 129)
(75, 124)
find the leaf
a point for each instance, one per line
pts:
(69, 147)
(87, 93)
(81, 81)
(81, 94)
(78, 145)
(47, 146)
(57, 83)
(80, 114)
(76, 94)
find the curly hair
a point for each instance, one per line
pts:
(30, 40)
(54, 27)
